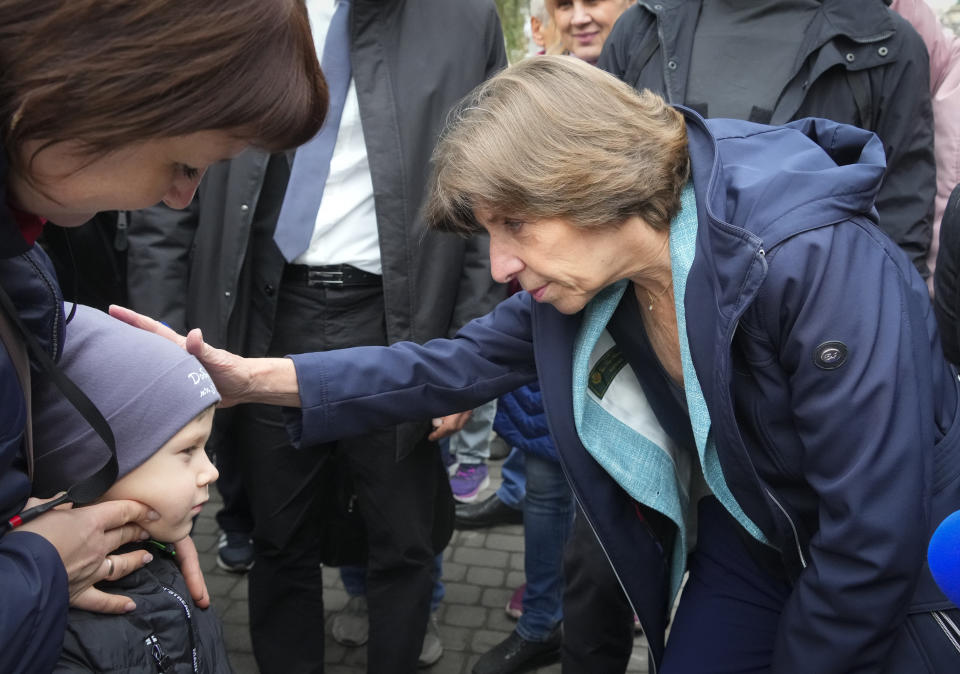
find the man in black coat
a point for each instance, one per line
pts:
(372, 275)
(774, 61)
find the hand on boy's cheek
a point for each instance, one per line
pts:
(189, 563)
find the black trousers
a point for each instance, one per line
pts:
(597, 618)
(402, 504)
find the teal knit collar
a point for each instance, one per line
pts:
(617, 426)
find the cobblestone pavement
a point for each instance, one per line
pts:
(481, 569)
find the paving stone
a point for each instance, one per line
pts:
(238, 612)
(484, 576)
(240, 590)
(484, 640)
(516, 561)
(465, 616)
(453, 571)
(499, 620)
(508, 542)
(334, 599)
(451, 662)
(471, 539)
(482, 557)
(496, 597)
(455, 638)
(460, 593)
(219, 585)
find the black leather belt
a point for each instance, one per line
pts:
(330, 275)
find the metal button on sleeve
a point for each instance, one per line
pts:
(830, 355)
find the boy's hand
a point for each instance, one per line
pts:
(84, 537)
(189, 563)
(444, 427)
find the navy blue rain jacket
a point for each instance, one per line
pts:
(33, 582)
(846, 469)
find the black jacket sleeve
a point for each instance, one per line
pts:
(905, 125)
(946, 279)
(158, 262)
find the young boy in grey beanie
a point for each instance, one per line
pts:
(159, 403)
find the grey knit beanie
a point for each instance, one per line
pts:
(146, 387)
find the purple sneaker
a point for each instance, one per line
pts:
(467, 482)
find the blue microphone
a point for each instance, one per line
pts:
(943, 556)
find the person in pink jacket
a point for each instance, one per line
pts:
(944, 48)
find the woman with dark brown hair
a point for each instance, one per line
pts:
(108, 105)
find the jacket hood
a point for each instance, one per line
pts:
(772, 178)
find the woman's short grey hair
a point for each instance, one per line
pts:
(552, 137)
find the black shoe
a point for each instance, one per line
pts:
(235, 552)
(516, 654)
(489, 512)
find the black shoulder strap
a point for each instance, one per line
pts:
(92, 487)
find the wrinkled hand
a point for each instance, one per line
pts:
(189, 563)
(231, 374)
(448, 425)
(84, 537)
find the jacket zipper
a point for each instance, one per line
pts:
(796, 537)
(943, 620)
(793, 528)
(189, 616)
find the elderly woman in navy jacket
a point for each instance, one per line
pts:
(740, 371)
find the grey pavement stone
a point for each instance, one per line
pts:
(455, 638)
(509, 542)
(452, 571)
(515, 579)
(496, 597)
(487, 577)
(460, 593)
(471, 539)
(465, 616)
(499, 620)
(452, 662)
(482, 557)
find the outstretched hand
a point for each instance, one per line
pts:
(231, 374)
